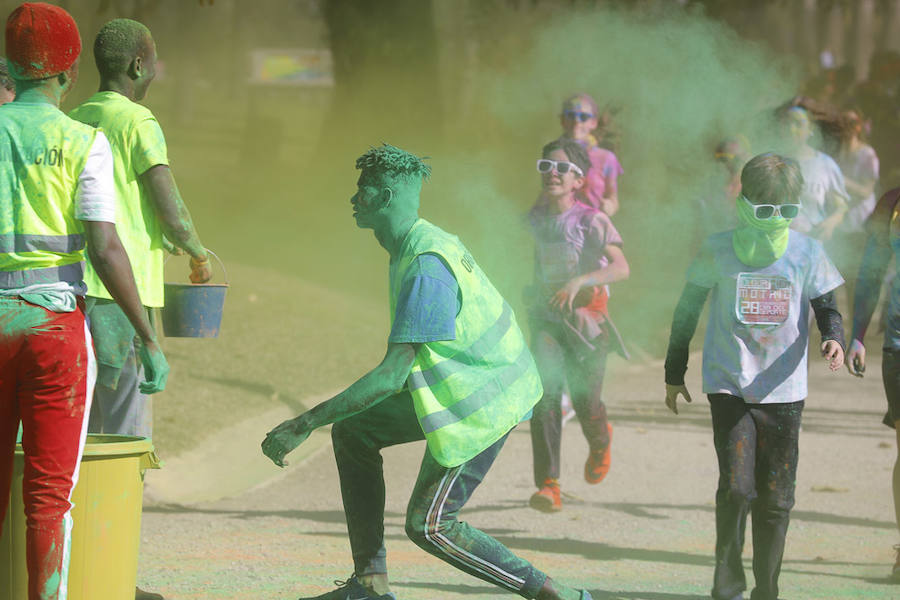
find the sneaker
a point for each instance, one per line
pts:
(140, 594)
(597, 465)
(547, 499)
(895, 572)
(586, 595)
(351, 589)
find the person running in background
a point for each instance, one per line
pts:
(716, 204)
(457, 373)
(149, 207)
(763, 277)
(58, 198)
(577, 253)
(859, 165)
(580, 119)
(824, 198)
(882, 244)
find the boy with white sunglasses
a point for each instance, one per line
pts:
(763, 277)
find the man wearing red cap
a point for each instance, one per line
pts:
(57, 199)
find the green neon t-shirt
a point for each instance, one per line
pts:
(137, 143)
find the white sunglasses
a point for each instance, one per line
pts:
(763, 212)
(545, 165)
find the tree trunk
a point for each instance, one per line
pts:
(863, 36)
(385, 71)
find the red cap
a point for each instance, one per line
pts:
(41, 41)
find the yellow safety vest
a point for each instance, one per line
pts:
(42, 154)
(468, 392)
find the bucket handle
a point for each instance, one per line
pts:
(150, 460)
(219, 260)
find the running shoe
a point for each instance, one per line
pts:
(586, 595)
(547, 499)
(351, 589)
(597, 465)
(140, 594)
(895, 572)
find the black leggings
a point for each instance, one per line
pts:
(559, 364)
(756, 445)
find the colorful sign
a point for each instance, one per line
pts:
(292, 67)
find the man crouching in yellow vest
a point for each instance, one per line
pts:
(465, 378)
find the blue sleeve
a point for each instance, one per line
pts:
(428, 303)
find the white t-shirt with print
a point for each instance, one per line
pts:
(758, 334)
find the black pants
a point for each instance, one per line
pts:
(756, 445)
(438, 495)
(559, 364)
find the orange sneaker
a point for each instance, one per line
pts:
(547, 499)
(597, 465)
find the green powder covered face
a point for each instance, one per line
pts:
(759, 242)
(395, 174)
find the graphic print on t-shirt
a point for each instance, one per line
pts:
(762, 299)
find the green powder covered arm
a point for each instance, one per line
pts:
(373, 387)
(111, 262)
(172, 212)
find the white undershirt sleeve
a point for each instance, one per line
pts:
(95, 197)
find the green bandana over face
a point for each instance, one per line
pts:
(759, 242)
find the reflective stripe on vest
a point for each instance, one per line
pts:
(43, 154)
(24, 278)
(478, 399)
(24, 242)
(471, 356)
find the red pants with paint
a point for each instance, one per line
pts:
(47, 373)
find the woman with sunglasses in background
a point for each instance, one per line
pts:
(577, 253)
(580, 118)
(763, 277)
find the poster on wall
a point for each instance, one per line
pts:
(292, 67)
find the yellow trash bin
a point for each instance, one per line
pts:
(106, 519)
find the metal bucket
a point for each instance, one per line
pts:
(194, 309)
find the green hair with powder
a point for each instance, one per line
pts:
(116, 45)
(388, 161)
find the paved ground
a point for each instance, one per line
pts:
(645, 533)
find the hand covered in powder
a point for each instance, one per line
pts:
(156, 367)
(564, 298)
(833, 353)
(672, 392)
(284, 438)
(856, 358)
